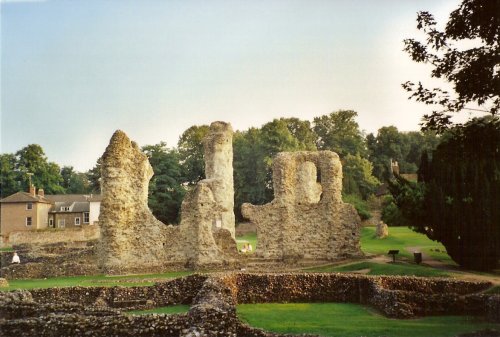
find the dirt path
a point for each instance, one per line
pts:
(461, 274)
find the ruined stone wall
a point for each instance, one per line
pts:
(218, 145)
(90, 311)
(307, 218)
(82, 233)
(133, 240)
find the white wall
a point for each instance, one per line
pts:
(95, 207)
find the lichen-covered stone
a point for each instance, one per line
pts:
(307, 218)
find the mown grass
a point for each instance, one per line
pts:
(383, 269)
(247, 238)
(346, 320)
(171, 309)
(93, 280)
(400, 238)
(6, 249)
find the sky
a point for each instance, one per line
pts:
(74, 71)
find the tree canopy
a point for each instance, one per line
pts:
(466, 55)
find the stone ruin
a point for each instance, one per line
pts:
(382, 230)
(133, 240)
(307, 218)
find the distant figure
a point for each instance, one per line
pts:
(249, 248)
(16, 259)
(244, 249)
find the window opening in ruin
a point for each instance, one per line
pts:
(318, 175)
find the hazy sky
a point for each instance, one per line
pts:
(74, 71)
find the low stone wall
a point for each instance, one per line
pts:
(84, 233)
(92, 311)
(50, 260)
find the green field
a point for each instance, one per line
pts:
(383, 269)
(341, 319)
(248, 238)
(95, 280)
(400, 238)
(171, 309)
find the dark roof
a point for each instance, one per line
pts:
(25, 197)
(74, 207)
(73, 197)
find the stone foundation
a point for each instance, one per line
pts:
(93, 311)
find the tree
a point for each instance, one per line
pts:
(191, 152)
(358, 178)
(166, 190)
(456, 200)
(9, 177)
(386, 146)
(466, 55)
(74, 182)
(94, 177)
(46, 175)
(339, 132)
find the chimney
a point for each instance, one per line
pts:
(41, 192)
(32, 190)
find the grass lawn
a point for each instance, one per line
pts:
(341, 319)
(6, 249)
(247, 238)
(94, 280)
(400, 238)
(171, 309)
(384, 269)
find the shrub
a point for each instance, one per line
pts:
(360, 205)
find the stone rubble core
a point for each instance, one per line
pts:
(96, 311)
(133, 240)
(307, 218)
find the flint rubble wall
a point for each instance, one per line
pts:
(213, 299)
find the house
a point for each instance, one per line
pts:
(70, 210)
(25, 211)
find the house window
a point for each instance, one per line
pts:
(29, 205)
(51, 222)
(77, 221)
(62, 223)
(28, 221)
(86, 217)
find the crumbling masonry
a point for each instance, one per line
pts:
(307, 218)
(133, 240)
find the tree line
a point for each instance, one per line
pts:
(365, 160)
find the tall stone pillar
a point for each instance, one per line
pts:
(218, 145)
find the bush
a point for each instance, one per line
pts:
(360, 205)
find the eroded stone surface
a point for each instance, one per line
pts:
(133, 240)
(218, 146)
(382, 230)
(307, 218)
